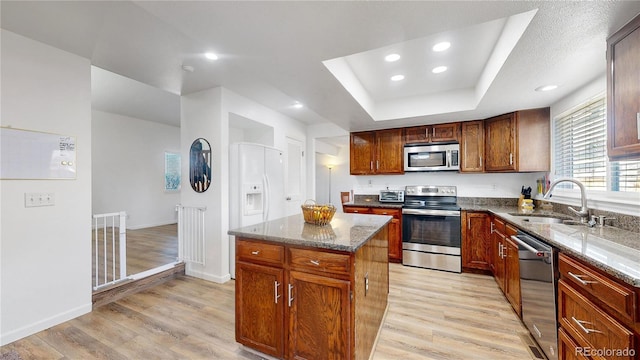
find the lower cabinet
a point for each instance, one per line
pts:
(308, 303)
(476, 241)
(395, 227)
(259, 300)
(597, 315)
(319, 337)
(505, 264)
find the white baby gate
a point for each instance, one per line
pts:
(191, 236)
(109, 248)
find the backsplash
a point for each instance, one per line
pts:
(621, 221)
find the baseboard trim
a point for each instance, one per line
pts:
(11, 336)
(207, 276)
(119, 291)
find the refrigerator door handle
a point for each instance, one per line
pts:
(265, 205)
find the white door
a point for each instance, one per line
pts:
(294, 179)
(274, 180)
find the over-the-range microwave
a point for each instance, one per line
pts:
(432, 157)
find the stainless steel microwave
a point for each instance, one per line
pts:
(432, 157)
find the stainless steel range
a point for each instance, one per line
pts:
(431, 228)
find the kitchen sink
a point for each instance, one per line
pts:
(542, 220)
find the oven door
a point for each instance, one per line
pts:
(435, 231)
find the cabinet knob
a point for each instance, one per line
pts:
(255, 252)
(315, 262)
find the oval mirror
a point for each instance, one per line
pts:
(200, 165)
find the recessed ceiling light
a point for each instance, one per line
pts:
(441, 46)
(439, 69)
(546, 88)
(211, 56)
(297, 105)
(392, 57)
(397, 77)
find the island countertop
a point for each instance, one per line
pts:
(346, 232)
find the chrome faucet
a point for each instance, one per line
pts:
(584, 211)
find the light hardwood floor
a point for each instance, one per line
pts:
(432, 315)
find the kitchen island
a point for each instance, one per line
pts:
(312, 292)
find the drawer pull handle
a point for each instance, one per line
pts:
(256, 252)
(315, 262)
(586, 330)
(275, 287)
(290, 296)
(580, 280)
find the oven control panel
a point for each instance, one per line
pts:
(430, 190)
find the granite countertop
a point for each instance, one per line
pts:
(613, 250)
(346, 232)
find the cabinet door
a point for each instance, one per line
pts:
(623, 97)
(395, 232)
(512, 275)
(445, 132)
(319, 317)
(475, 241)
(259, 308)
(472, 146)
(500, 143)
(362, 152)
(416, 134)
(389, 152)
(498, 247)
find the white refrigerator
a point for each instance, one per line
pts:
(256, 185)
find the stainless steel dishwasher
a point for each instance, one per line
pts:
(538, 277)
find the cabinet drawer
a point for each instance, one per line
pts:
(497, 225)
(568, 349)
(357, 209)
(620, 298)
(396, 213)
(589, 325)
(320, 261)
(259, 252)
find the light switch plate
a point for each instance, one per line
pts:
(39, 199)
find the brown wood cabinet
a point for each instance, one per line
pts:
(319, 317)
(307, 303)
(623, 92)
(518, 141)
(472, 146)
(377, 152)
(258, 302)
(432, 133)
(395, 227)
(476, 241)
(595, 312)
(512, 273)
(497, 248)
(506, 265)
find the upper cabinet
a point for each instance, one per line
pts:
(376, 152)
(623, 92)
(432, 133)
(472, 146)
(518, 141)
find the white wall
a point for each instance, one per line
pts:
(45, 252)
(207, 114)
(128, 169)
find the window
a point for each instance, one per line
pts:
(580, 151)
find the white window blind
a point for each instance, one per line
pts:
(580, 151)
